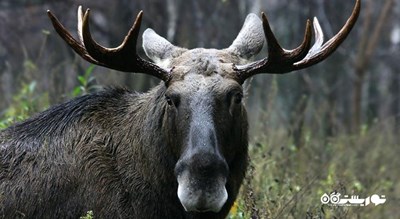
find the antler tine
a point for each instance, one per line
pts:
(102, 53)
(122, 58)
(319, 38)
(66, 36)
(331, 45)
(80, 23)
(276, 53)
(281, 61)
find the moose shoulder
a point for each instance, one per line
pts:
(177, 151)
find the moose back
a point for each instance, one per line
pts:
(177, 151)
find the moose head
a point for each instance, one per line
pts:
(204, 120)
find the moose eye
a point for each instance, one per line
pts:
(237, 98)
(169, 100)
(172, 100)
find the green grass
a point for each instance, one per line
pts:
(24, 104)
(89, 215)
(286, 182)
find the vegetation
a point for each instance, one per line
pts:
(287, 182)
(24, 104)
(89, 215)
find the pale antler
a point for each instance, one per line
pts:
(122, 58)
(280, 61)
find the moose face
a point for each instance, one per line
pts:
(205, 113)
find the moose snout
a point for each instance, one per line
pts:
(201, 182)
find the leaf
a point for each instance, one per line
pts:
(76, 91)
(82, 80)
(89, 71)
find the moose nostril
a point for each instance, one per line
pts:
(203, 209)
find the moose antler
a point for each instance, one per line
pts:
(122, 58)
(280, 60)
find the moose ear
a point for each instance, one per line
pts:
(250, 39)
(158, 49)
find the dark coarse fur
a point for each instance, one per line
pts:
(107, 152)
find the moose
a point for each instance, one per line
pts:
(179, 150)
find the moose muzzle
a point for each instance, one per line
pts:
(201, 182)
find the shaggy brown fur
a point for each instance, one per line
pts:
(109, 152)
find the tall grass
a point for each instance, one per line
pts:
(286, 182)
